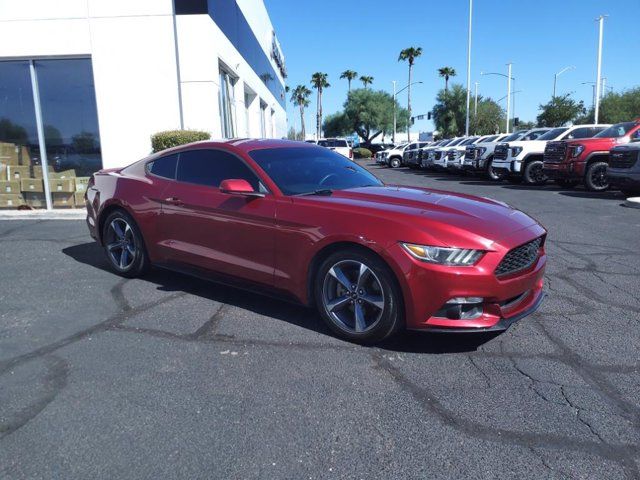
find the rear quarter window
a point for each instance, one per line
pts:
(164, 167)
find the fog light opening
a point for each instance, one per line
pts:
(461, 308)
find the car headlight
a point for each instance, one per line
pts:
(515, 151)
(577, 150)
(461, 257)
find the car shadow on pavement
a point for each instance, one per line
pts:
(91, 254)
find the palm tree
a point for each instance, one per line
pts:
(409, 55)
(349, 75)
(300, 98)
(446, 72)
(366, 80)
(319, 82)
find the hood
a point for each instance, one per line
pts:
(444, 218)
(598, 141)
(530, 144)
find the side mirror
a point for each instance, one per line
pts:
(239, 186)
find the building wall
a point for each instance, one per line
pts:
(132, 47)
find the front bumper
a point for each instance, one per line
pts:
(623, 178)
(428, 287)
(564, 170)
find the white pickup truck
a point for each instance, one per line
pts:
(338, 145)
(522, 161)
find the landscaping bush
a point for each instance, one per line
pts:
(173, 138)
(361, 153)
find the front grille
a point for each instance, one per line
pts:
(520, 258)
(623, 159)
(470, 153)
(501, 152)
(437, 155)
(554, 152)
(451, 155)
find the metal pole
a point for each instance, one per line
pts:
(555, 81)
(179, 79)
(604, 87)
(508, 95)
(466, 129)
(597, 102)
(394, 112)
(475, 106)
(40, 127)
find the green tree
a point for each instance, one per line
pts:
(84, 142)
(409, 55)
(521, 125)
(337, 125)
(10, 132)
(366, 80)
(349, 75)
(616, 108)
(489, 119)
(370, 113)
(450, 110)
(560, 110)
(446, 73)
(293, 135)
(319, 82)
(300, 98)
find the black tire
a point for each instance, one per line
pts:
(566, 183)
(136, 261)
(533, 173)
(388, 320)
(395, 162)
(491, 173)
(595, 179)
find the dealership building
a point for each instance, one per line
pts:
(85, 83)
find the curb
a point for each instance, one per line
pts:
(70, 214)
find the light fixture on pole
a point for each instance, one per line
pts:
(600, 20)
(555, 77)
(395, 94)
(466, 128)
(508, 96)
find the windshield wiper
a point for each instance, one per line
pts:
(324, 191)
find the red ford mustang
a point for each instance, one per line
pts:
(307, 223)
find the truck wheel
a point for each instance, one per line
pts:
(395, 162)
(491, 173)
(533, 173)
(595, 179)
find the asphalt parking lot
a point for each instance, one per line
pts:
(174, 377)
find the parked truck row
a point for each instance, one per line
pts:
(597, 156)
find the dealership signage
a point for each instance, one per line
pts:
(278, 57)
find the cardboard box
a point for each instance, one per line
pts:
(18, 172)
(9, 187)
(9, 153)
(3, 170)
(24, 157)
(11, 200)
(37, 171)
(79, 199)
(62, 185)
(32, 185)
(35, 200)
(64, 174)
(62, 200)
(82, 183)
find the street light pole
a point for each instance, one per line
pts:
(394, 112)
(600, 20)
(555, 77)
(466, 129)
(475, 106)
(508, 94)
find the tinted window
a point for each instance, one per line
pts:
(299, 170)
(210, 167)
(619, 130)
(553, 134)
(584, 132)
(514, 136)
(164, 166)
(534, 135)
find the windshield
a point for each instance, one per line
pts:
(469, 141)
(513, 136)
(552, 134)
(300, 170)
(615, 131)
(489, 139)
(333, 143)
(455, 142)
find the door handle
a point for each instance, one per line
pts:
(173, 201)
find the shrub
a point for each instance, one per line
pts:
(361, 153)
(173, 138)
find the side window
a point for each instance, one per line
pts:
(411, 147)
(585, 132)
(210, 167)
(164, 166)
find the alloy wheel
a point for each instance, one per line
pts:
(352, 296)
(120, 243)
(599, 177)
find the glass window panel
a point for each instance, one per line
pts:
(164, 166)
(210, 167)
(70, 121)
(19, 152)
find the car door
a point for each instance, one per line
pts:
(204, 227)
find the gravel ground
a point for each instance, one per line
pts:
(174, 377)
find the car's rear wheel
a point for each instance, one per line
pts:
(595, 178)
(534, 173)
(124, 245)
(395, 162)
(357, 297)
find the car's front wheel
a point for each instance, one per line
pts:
(124, 245)
(595, 178)
(357, 297)
(534, 173)
(395, 163)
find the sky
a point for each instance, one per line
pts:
(540, 38)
